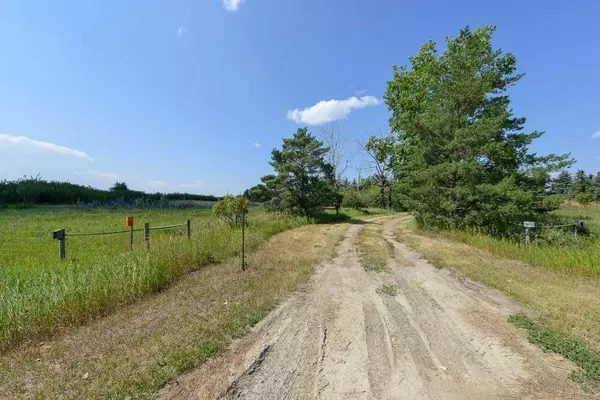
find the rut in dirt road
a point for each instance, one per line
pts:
(438, 338)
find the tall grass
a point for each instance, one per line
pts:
(37, 299)
(582, 258)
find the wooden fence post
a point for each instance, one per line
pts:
(147, 234)
(188, 226)
(59, 235)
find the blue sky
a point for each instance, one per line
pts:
(193, 95)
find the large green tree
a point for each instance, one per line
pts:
(463, 156)
(304, 182)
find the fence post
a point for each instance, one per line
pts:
(131, 237)
(188, 226)
(243, 240)
(527, 236)
(147, 234)
(59, 235)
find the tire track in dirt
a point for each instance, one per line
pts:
(438, 338)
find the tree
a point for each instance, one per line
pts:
(463, 159)
(595, 186)
(119, 187)
(381, 152)
(561, 183)
(337, 149)
(304, 181)
(581, 183)
(229, 209)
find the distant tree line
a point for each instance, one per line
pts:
(34, 190)
(580, 186)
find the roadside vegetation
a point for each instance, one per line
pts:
(562, 301)
(40, 294)
(136, 350)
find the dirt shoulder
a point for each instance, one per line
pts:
(436, 337)
(135, 351)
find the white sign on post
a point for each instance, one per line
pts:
(529, 224)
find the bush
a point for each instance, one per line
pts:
(229, 209)
(352, 199)
(584, 198)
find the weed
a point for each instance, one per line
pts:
(390, 290)
(374, 250)
(588, 361)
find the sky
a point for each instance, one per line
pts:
(193, 95)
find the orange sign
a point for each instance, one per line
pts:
(244, 203)
(128, 221)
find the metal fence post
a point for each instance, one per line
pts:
(131, 237)
(527, 236)
(188, 225)
(243, 240)
(147, 234)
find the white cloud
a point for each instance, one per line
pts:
(191, 185)
(98, 175)
(330, 110)
(596, 135)
(231, 5)
(360, 92)
(257, 145)
(181, 31)
(22, 140)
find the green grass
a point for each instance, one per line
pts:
(39, 293)
(579, 256)
(390, 290)
(588, 361)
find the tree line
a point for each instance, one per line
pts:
(455, 154)
(34, 190)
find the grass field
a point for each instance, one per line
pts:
(40, 294)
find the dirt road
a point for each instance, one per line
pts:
(439, 337)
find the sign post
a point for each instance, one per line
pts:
(244, 206)
(129, 223)
(528, 225)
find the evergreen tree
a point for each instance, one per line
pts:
(596, 186)
(305, 182)
(581, 183)
(463, 159)
(561, 183)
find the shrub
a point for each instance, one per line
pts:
(584, 198)
(229, 209)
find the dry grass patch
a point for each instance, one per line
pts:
(375, 252)
(135, 351)
(566, 302)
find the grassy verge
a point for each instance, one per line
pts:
(581, 259)
(373, 249)
(133, 352)
(567, 302)
(588, 361)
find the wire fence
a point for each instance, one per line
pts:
(61, 234)
(577, 226)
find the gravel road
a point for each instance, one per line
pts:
(440, 337)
